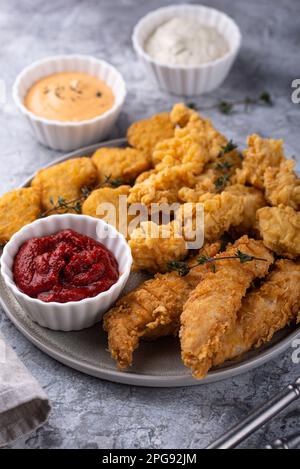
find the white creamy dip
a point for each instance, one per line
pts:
(182, 41)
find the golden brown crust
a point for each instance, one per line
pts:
(17, 209)
(280, 230)
(212, 307)
(282, 185)
(146, 133)
(125, 164)
(64, 180)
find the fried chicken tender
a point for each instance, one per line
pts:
(64, 180)
(150, 311)
(145, 134)
(154, 246)
(260, 154)
(17, 209)
(253, 200)
(120, 163)
(95, 206)
(212, 307)
(280, 230)
(283, 185)
(265, 310)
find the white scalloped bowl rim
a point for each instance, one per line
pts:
(140, 49)
(29, 299)
(119, 98)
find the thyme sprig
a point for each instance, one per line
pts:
(227, 107)
(183, 268)
(75, 205)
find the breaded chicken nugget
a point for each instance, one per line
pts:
(280, 230)
(145, 134)
(212, 307)
(120, 163)
(265, 310)
(191, 121)
(260, 154)
(253, 200)
(64, 180)
(17, 209)
(150, 311)
(154, 246)
(96, 206)
(283, 185)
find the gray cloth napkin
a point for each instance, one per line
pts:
(24, 406)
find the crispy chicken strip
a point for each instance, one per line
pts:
(260, 154)
(146, 133)
(265, 310)
(150, 311)
(212, 307)
(120, 163)
(64, 180)
(283, 185)
(17, 209)
(280, 230)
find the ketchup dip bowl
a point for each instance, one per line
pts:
(188, 80)
(67, 136)
(74, 315)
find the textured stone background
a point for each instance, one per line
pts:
(89, 413)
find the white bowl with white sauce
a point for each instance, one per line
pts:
(187, 49)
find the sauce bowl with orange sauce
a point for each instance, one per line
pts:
(70, 101)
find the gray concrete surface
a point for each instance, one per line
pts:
(89, 413)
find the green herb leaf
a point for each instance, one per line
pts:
(225, 107)
(192, 106)
(230, 146)
(266, 98)
(180, 267)
(222, 182)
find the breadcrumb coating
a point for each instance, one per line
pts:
(120, 163)
(17, 209)
(282, 185)
(145, 134)
(150, 311)
(260, 154)
(280, 230)
(154, 246)
(64, 180)
(212, 307)
(265, 310)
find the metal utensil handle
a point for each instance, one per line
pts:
(258, 417)
(290, 442)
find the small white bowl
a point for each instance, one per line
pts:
(74, 315)
(69, 136)
(188, 80)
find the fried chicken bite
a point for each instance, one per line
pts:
(191, 122)
(282, 185)
(260, 155)
(253, 199)
(17, 209)
(145, 134)
(280, 230)
(96, 206)
(65, 180)
(124, 164)
(264, 311)
(154, 246)
(150, 311)
(212, 307)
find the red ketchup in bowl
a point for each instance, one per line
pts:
(63, 267)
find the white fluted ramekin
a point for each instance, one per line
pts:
(188, 80)
(69, 136)
(74, 315)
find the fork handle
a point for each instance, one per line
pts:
(258, 417)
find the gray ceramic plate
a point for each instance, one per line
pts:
(156, 364)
